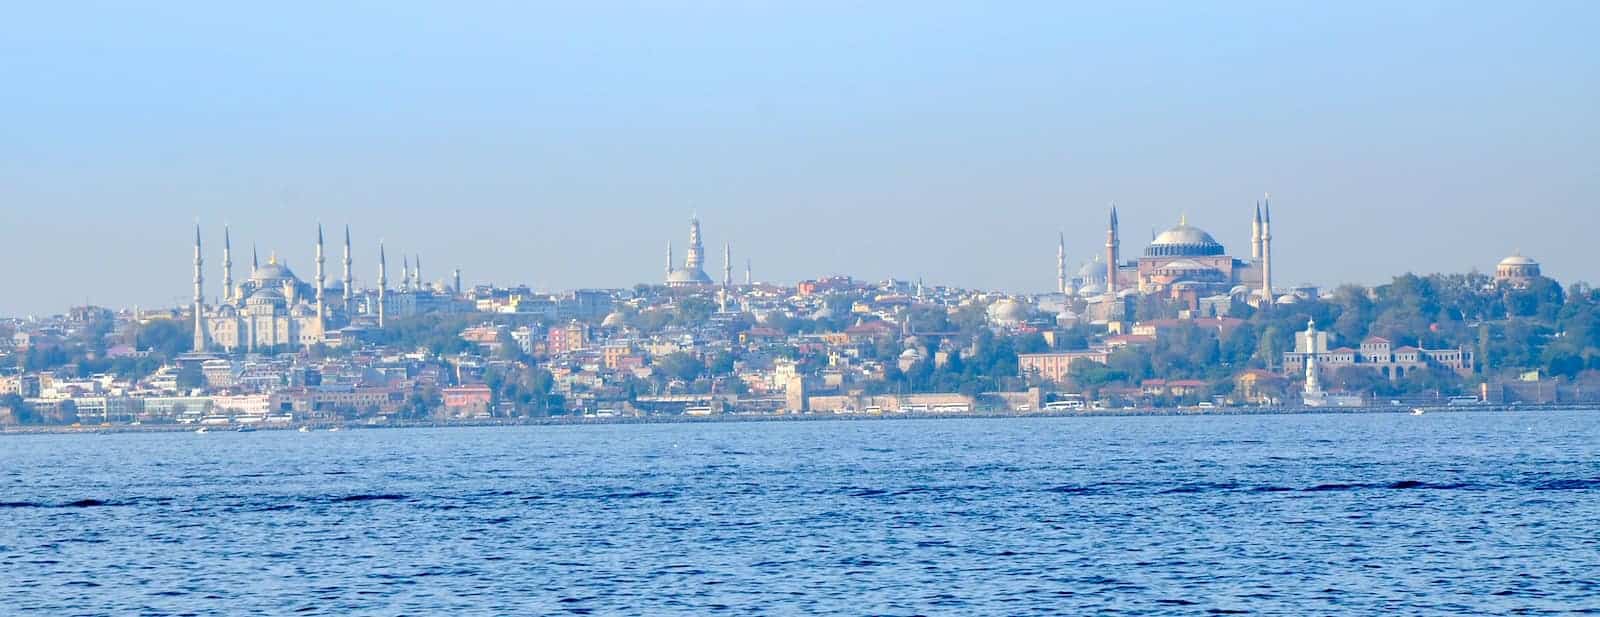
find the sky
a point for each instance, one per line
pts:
(563, 145)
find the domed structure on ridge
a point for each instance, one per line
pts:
(1516, 270)
(1184, 241)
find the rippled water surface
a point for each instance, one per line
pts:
(1444, 514)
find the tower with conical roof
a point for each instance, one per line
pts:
(227, 266)
(321, 282)
(1113, 243)
(383, 283)
(349, 281)
(199, 294)
(1266, 251)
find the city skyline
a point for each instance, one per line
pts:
(868, 141)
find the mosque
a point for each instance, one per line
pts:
(275, 309)
(693, 273)
(1184, 263)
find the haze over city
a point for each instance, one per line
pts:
(564, 146)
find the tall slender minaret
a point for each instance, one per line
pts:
(1061, 262)
(405, 272)
(416, 273)
(727, 264)
(669, 258)
(1255, 234)
(322, 281)
(1266, 251)
(199, 295)
(383, 282)
(227, 265)
(747, 280)
(255, 260)
(1112, 244)
(455, 276)
(349, 279)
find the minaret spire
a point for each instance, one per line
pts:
(349, 276)
(727, 264)
(1061, 262)
(199, 294)
(322, 282)
(416, 273)
(255, 260)
(747, 280)
(405, 272)
(669, 258)
(383, 282)
(1112, 245)
(1255, 234)
(227, 265)
(1266, 250)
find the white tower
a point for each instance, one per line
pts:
(349, 275)
(227, 266)
(199, 297)
(383, 283)
(1112, 245)
(1313, 384)
(1255, 234)
(1061, 263)
(322, 280)
(1266, 251)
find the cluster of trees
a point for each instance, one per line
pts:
(1509, 329)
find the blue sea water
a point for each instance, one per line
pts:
(1443, 514)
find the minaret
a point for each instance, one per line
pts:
(1255, 234)
(455, 276)
(1112, 244)
(1266, 251)
(405, 272)
(349, 280)
(383, 282)
(199, 297)
(669, 258)
(747, 280)
(255, 261)
(694, 258)
(416, 273)
(1061, 262)
(227, 266)
(322, 281)
(727, 264)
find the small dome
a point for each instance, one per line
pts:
(1009, 311)
(615, 320)
(1518, 260)
(265, 295)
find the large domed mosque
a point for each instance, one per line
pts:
(1184, 262)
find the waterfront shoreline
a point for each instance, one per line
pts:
(798, 417)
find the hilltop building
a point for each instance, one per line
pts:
(1183, 262)
(1516, 270)
(273, 308)
(693, 273)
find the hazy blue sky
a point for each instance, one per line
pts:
(564, 144)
